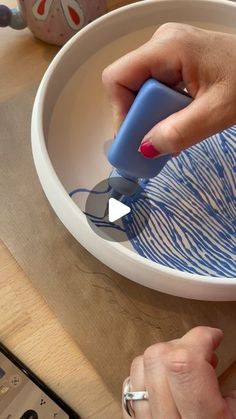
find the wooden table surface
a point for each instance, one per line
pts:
(30, 328)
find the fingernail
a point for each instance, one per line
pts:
(147, 150)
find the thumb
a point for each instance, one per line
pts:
(194, 387)
(205, 116)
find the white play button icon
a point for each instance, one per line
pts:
(116, 210)
(110, 218)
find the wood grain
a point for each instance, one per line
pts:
(30, 329)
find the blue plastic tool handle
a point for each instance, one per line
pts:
(153, 103)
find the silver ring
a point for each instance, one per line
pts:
(131, 396)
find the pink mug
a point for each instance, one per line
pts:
(52, 21)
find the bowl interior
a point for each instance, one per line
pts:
(192, 218)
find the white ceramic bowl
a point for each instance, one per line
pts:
(72, 120)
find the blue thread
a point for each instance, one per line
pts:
(79, 190)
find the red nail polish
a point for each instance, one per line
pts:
(148, 150)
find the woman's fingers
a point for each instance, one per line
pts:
(191, 377)
(179, 53)
(179, 373)
(180, 379)
(204, 340)
(124, 77)
(206, 115)
(194, 386)
(159, 58)
(162, 404)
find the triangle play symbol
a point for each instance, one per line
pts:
(116, 210)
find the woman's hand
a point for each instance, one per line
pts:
(180, 379)
(204, 61)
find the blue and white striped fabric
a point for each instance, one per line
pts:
(192, 218)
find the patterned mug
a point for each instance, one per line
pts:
(52, 21)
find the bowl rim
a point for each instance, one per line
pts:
(41, 156)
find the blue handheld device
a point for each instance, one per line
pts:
(153, 103)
